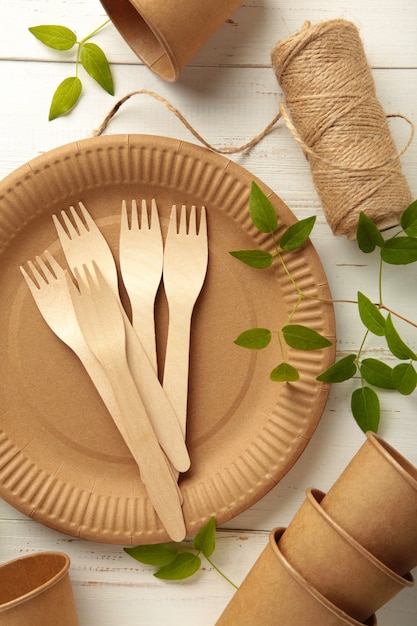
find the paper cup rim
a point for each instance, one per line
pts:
(274, 537)
(53, 580)
(314, 496)
(395, 458)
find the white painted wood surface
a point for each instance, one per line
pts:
(229, 93)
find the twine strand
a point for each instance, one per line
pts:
(249, 144)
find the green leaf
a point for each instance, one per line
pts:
(54, 36)
(94, 61)
(340, 371)
(254, 339)
(261, 210)
(205, 539)
(399, 250)
(254, 258)
(303, 338)
(395, 343)
(297, 234)
(404, 377)
(365, 409)
(367, 234)
(377, 373)
(156, 554)
(185, 565)
(65, 97)
(370, 315)
(284, 373)
(409, 219)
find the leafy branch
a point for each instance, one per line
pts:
(88, 54)
(400, 249)
(377, 318)
(296, 336)
(176, 561)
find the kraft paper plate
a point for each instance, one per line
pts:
(62, 460)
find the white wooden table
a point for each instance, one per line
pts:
(229, 93)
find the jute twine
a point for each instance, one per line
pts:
(333, 112)
(221, 150)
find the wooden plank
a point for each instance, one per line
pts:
(245, 40)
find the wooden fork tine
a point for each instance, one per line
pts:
(173, 220)
(77, 219)
(154, 213)
(62, 233)
(53, 263)
(134, 215)
(147, 221)
(202, 229)
(144, 220)
(87, 217)
(76, 226)
(36, 275)
(124, 222)
(72, 229)
(192, 223)
(183, 220)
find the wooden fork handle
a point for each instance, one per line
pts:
(155, 471)
(143, 322)
(161, 412)
(177, 359)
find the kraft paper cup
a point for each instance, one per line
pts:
(35, 590)
(166, 34)
(375, 501)
(335, 564)
(275, 594)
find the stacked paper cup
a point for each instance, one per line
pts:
(344, 554)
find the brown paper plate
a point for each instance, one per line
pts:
(62, 460)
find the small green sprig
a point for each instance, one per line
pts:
(176, 561)
(400, 249)
(296, 336)
(88, 54)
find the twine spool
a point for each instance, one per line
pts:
(336, 117)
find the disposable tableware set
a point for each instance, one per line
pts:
(119, 355)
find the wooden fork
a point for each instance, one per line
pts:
(49, 288)
(83, 245)
(101, 321)
(184, 271)
(141, 254)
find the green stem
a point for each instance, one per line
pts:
(342, 301)
(362, 346)
(400, 317)
(221, 573)
(288, 273)
(358, 357)
(380, 281)
(93, 33)
(297, 304)
(77, 59)
(281, 347)
(330, 300)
